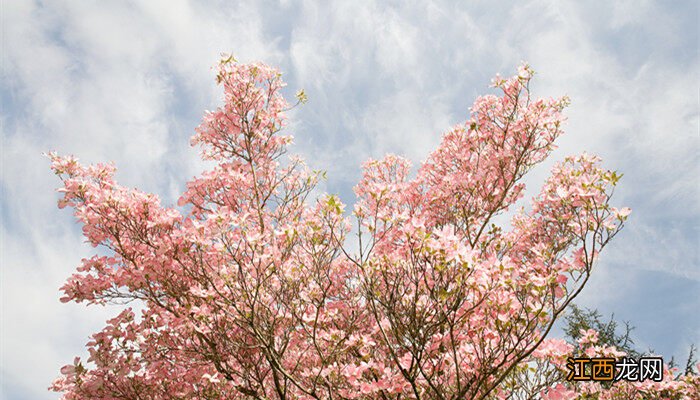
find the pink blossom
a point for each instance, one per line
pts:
(253, 289)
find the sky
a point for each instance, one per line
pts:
(129, 81)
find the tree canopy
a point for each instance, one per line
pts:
(247, 290)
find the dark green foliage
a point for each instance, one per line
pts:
(608, 335)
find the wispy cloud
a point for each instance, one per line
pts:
(128, 82)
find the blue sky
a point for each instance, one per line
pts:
(128, 82)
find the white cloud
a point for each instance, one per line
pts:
(128, 82)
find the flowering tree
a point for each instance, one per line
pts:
(251, 291)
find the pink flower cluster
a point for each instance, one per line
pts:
(250, 291)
